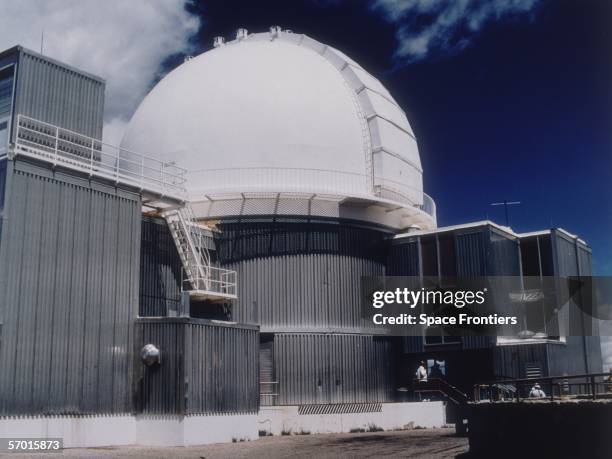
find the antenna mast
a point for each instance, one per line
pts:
(506, 203)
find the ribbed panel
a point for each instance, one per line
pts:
(160, 270)
(584, 260)
(566, 256)
(3, 167)
(59, 95)
(206, 368)
(222, 371)
(242, 241)
(328, 368)
(511, 361)
(504, 257)
(303, 292)
(301, 276)
(403, 259)
(478, 342)
(68, 294)
(412, 344)
(161, 389)
(470, 254)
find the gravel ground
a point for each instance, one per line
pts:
(429, 443)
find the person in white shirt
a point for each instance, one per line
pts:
(536, 391)
(421, 373)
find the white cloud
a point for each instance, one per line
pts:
(447, 26)
(122, 41)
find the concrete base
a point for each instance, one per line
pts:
(92, 431)
(278, 420)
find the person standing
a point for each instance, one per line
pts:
(536, 391)
(421, 373)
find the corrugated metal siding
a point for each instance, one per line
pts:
(504, 257)
(222, 371)
(573, 258)
(68, 294)
(328, 368)
(205, 368)
(564, 250)
(301, 276)
(412, 344)
(160, 270)
(584, 260)
(57, 94)
(567, 358)
(511, 361)
(162, 388)
(477, 342)
(403, 259)
(480, 251)
(303, 292)
(471, 254)
(242, 241)
(3, 172)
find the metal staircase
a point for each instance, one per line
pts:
(204, 280)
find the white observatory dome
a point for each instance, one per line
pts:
(279, 115)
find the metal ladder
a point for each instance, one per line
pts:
(191, 247)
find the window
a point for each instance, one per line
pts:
(6, 99)
(435, 336)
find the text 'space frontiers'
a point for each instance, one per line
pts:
(434, 298)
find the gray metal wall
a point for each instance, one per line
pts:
(56, 93)
(559, 255)
(510, 362)
(404, 259)
(477, 251)
(301, 276)
(299, 280)
(160, 270)
(317, 292)
(68, 293)
(573, 258)
(3, 167)
(333, 368)
(207, 368)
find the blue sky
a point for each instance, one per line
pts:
(512, 101)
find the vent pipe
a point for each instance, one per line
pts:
(275, 31)
(218, 41)
(241, 34)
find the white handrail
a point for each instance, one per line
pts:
(59, 146)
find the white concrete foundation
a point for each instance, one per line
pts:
(279, 419)
(91, 431)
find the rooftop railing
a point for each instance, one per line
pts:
(308, 180)
(59, 146)
(217, 281)
(591, 385)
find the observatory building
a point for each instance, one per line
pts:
(201, 281)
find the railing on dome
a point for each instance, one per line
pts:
(59, 146)
(304, 180)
